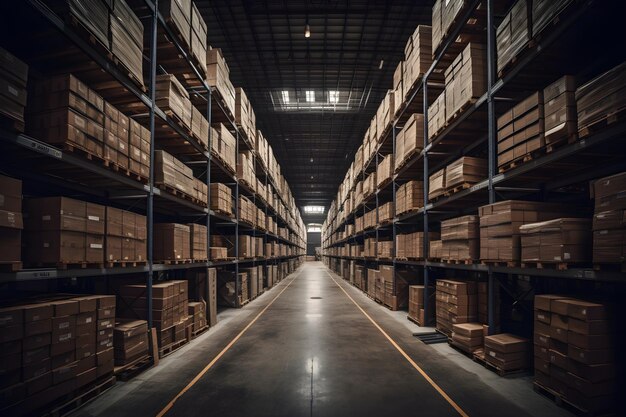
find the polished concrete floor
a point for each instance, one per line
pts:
(313, 352)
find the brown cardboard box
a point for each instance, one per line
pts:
(172, 241)
(198, 241)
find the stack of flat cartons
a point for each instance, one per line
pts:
(464, 172)
(468, 336)
(507, 352)
(171, 242)
(199, 127)
(247, 210)
(65, 112)
(173, 99)
(244, 115)
(369, 185)
(601, 97)
(560, 110)
(456, 303)
(197, 241)
(416, 304)
(545, 11)
(500, 223)
(126, 235)
(409, 197)
(369, 219)
(372, 276)
(398, 90)
(253, 282)
(117, 137)
(244, 279)
(198, 38)
(384, 114)
(410, 139)
(245, 169)
(172, 173)
(466, 79)
(217, 253)
(513, 33)
(169, 308)
(359, 276)
(200, 192)
(61, 230)
(418, 58)
(609, 219)
(575, 351)
(197, 310)
(437, 184)
(521, 129)
(223, 145)
(483, 304)
(385, 212)
(563, 240)
(411, 245)
(126, 35)
(384, 171)
(221, 199)
(460, 239)
(138, 149)
(435, 251)
(11, 221)
(395, 287)
(53, 347)
(130, 340)
(13, 79)
(369, 250)
(384, 249)
(437, 116)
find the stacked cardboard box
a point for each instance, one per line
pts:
(169, 308)
(395, 287)
(138, 149)
(244, 279)
(398, 88)
(601, 96)
(383, 116)
(436, 116)
(410, 139)
(384, 171)
(247, 210)
(418, 58)
(521, 129)
(369, 250)
(221, 199)
(500, 223)
(126, 38)
(172, 98)
(513, 33)
(117, 136)
(217, 253)
(185, 19)
(245, 169)
(466, 78)
(64, 231)
(468, 336)
(575, 351)
(172, 242)
(465, 171)
(197, 310)
(411, 245)
(507, 352)
(13, 79)
(545, 11)
(172, 173)
(126, 234)
(197, 241)
(456, 303)
(560, 110)
(64, 111)
(198, 37)
(199, 127)
(369, 185)
(409, 197)
(566, 240)
(228, 242)
(223, 145)
(261, 147)
(52, 347)
(372, 277)
(244, 115)
(460, 239)
(437, 184)
(385, 212)
(130, 340)
(416, 304)
(609, 220)
(369, 219)
(11, 221)
(384, 249)
(435, 251)
(483, 304)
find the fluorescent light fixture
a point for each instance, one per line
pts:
(333, 96)
(310, 96)
(307, 31)
(285, 95)
(314, 209)
(382, 62)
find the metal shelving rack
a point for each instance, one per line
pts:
(157, 201)
(487, 191)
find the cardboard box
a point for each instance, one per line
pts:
(171, 241)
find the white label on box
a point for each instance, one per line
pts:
(557, 258)
(94, 218)
(492, 354)
(566, 255)
(88, 320)
(584, 311)
(64, 325)
(65, 337)
(95, 245)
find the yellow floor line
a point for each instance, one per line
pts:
(219, 355)
(407, 357)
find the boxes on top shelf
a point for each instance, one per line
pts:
(464, 172)
(244, 116)
(13, 79)
(218, 76)
(460, 239)
(171, 242)
(609, 220)
(410, 139)
(562, 240)
(513, 34)
(172, 98)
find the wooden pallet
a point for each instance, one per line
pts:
(414, 320)
(559, 266)
(461, 349)
(171, 348)
(603, 123)
(406, 158)
(196, 333)
(133, 368)
(562, 401)
(506, 264)
(11, 266)
(501, 372)
(180, 194)
(124, 264)
(68, 265)
(464, 107)
(515, 59)
(459, 261)
(175, 261)
(457, 188)
(224, 213)
(81, 397)
(520, 160)
(11, 124)
(410, 211)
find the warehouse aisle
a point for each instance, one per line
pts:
(312, 352)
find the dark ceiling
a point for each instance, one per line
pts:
(267, 52)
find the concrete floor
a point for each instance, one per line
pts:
(306, 356)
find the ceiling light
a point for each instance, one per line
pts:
(333, 96)
(307, 31)
(382, 62)
(310, 96)
(311, 160)
(311, 176)
(285, 95)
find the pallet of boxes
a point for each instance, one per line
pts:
(575, 357)
(11, 224)
(55, 350)
(609, 222)
(456, 303)
(416, 305)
